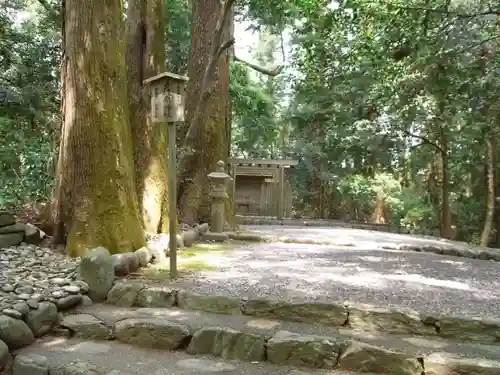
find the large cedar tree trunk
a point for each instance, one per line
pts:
(212, 144)
(145, 58)
(95, 200)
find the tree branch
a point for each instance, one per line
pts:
(269, 72)
(49, 8)
(481, 42)
(425, 141)
(490, 12)
(217, 49)
(205, 91)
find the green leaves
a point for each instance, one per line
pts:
(28, 119)
(254, 126)
(178, 35)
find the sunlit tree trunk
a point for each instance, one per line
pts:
(490, 189)
(212, 144)
(95, 200)
(146, 58)
(445, 212)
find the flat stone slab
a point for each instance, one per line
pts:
(152, 333)
(85, 326)
(113, 358)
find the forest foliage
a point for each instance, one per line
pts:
(390, 106)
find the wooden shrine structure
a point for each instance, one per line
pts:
(260, 187)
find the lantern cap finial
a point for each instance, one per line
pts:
(220, 166)
(219, 173)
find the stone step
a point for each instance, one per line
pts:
(280, 342)
(78, 357)
(359, 317)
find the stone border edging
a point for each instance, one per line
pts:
(13, 233)
(355, 316)
(149, 330)
(262, 220)
(127, 263)
(471, 252)
(282, 348)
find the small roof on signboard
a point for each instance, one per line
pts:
(164, 75)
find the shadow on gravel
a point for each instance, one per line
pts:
(426, 282)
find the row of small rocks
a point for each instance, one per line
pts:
(30, 275)
(36, 284)
(12, 233)
(259, 220)
(99, 268)
(32, 294)
(462, 250)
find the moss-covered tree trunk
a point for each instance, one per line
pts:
(212, 144)
(95, 200)
(146, 58)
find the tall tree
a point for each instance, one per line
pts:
(95, 200)
(146, 58)
(210, 39)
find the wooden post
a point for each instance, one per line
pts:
(281, 182)
(172, 200)
(167, 106)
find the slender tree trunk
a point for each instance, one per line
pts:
(497, 205)
(95, 199)
(146, 58)
(445, 229)
(211, 145)
(490, 189)
(445, 213)
(497, 214)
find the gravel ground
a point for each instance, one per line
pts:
(428, 283)
(31, 274)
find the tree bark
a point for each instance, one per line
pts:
(490, 189)
(445, 213)
(95, 200)
(212, 143)
(145, 58)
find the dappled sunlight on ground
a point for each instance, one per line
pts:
(53, 341)
(423, 281)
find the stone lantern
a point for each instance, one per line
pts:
(168, 96)
(219, 195)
